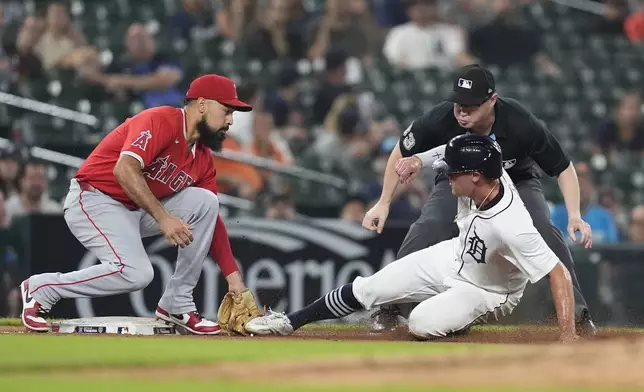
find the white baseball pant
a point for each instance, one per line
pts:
(113, 232)
(430, 276)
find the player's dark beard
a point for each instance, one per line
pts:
(210, 137)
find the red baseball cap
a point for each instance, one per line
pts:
(218, 88)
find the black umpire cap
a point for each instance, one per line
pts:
(473, 85)
(471, 153)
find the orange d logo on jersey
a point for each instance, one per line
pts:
(142, 141)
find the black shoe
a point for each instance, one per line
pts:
(384, 319)
(463, 332)
(585, 326)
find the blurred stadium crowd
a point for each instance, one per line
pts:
(333, 83)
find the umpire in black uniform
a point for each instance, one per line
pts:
(525, 142)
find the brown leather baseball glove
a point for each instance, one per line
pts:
(236, 310)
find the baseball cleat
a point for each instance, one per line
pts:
(585, 326)
(34, 316)
(384, 319)
(192, 322)
(272, 324)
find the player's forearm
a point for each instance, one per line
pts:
(564, 300)
(390, 182)
(129, 175)
(569, 185)
(430, 156)
(221, 251)
(235, 282)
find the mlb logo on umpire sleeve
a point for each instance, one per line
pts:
(465, 83)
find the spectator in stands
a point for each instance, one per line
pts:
(9, 164)
(9, 278)
(9, 268)
(150, 75)
(196, 20)
(610, 199)
(600, 219)
(504, 40)
(425, 41)
(8, 271)
(32, 196)
(636, 226)
(612, 21)
(271, 37)
(341, 27)
(235, 18)
(282, 102)
(268, 144)
(383, 125)
(391, 13)
(361, 13)
(285, 109)
(333, 85)
(299, 17)
(354, 209)
(470, 14)
(344, 145)
(634, 26)
(280, 206)
(60, 46)
(28, 64)
(625, 129)
(236, 178)
(242, 128)
(7, 69)
(5, 218)
(13, 11)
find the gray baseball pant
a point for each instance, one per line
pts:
(436, 224)
(113, 232)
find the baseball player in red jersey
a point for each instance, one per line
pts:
(154, 174)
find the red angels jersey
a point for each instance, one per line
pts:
(157, 139)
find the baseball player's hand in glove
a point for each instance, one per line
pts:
(375, 218)
(408, 169)
(236, 310)
(579, 225)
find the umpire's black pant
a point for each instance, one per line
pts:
(436, 224)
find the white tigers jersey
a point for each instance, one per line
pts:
(498, 249)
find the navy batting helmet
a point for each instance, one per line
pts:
(471, 153)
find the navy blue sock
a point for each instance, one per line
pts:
(335, 304)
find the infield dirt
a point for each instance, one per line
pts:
(611, 360)
(519, 335)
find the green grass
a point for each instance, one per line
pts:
(34, 361)
(50, 352)
(68, 384)
(10, 322)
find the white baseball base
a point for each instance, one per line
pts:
(114, 325)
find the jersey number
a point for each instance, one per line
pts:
(142, 141)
